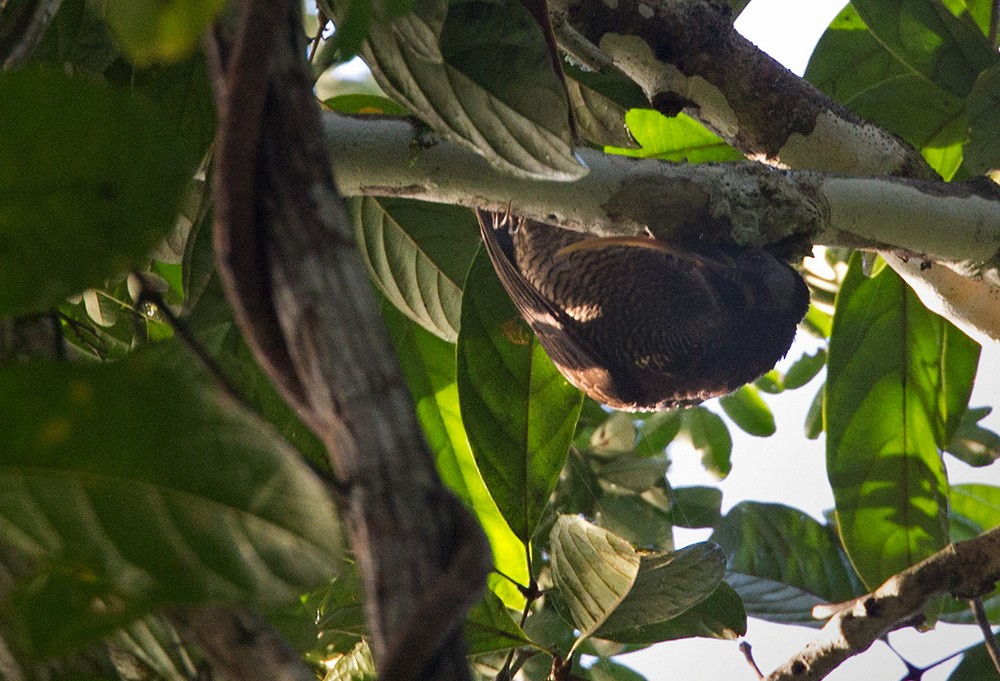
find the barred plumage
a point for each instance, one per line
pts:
(639, 324)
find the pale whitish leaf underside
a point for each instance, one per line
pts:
(517, 120)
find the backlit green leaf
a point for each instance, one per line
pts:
(898, 382)
(710, 437)
(680, 138)
(519, 411)
(429, 368)
(983, 149)
(749, 411)
(159, 30)
(948, 51)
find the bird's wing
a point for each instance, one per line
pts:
(548, 322)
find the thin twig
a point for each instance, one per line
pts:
(747, 651)
(992, 647)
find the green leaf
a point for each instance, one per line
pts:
(593, 570)
(775, 601)
(607, 670)
(680, 138)
(489, 627)
(976, 664)
(90, 179)
(429, 369)
(898, 381)
(656, 432)
(848, 59)
(336, 614)
(978, 504)
(638, 519)
(982, 153)
(721, 615)
(709, 436)
(920, 112)
(153, 645)
(666, 585)
(153, 31)
(749, 411)
(805, 369)
(135, 487)
(788, 547)
(418, 255)
(972, 443)
(633, 473)
(479, 73)
(77, 40)
(613, 437)
(182, 93)
(599, 119)
(695, 506)
(948, 51)
(813, 426)
(212, 323)
(518, 410)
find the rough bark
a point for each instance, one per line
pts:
(300, 293)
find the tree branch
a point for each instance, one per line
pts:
(686, 55)
(752, 203)
(965, 570)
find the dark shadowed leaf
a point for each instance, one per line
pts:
(813, 426)
(972, 443)
(489, 627)
(695, 506)
(982, 153)
(749, 411)
(898, 382)
(786, 546)
(136, 486)
(775, 601)
(91, 179)
(666, 585)
(848, 59)
(948, 51)
(518, 410)
(593, 570)
(637, 518)
(153, 31)
(721, 615)
(418, 255)
(607, 670)
(976, 664)
(479, 73)
(428, 365)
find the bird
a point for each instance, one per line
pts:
(642, 324)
